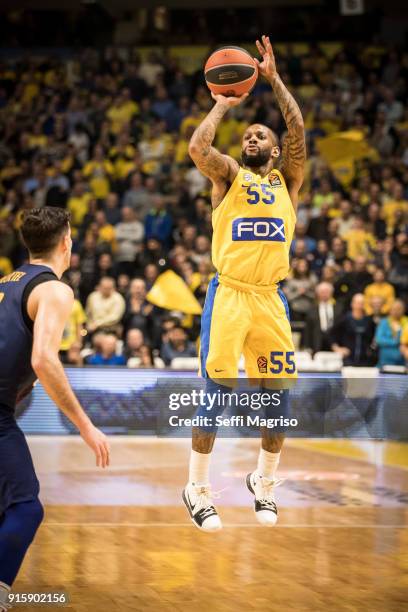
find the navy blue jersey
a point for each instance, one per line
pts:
(16, 337)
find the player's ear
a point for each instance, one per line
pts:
(275, 152)
(67, 241)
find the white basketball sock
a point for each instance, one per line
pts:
(199, 468)
(268, 464)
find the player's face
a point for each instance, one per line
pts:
(258, 146)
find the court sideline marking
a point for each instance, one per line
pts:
(228, 525)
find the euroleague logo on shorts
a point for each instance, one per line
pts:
(262, 364)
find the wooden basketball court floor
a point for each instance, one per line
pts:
(121, 540)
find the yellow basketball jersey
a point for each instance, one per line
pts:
(253, 228)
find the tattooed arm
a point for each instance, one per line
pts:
(220, 169)
(294, 146)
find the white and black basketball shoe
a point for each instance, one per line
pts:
(198, 499)
(266, 510)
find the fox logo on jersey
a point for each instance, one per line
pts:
(259, 228)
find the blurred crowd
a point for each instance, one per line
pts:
(106, 135)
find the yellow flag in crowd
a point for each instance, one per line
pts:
(171, 292)
(341, 150)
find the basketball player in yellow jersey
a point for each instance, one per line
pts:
(254, 215)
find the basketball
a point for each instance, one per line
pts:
(230, 71)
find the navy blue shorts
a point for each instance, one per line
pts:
(18, 480)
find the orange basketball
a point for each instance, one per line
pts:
(230, 71)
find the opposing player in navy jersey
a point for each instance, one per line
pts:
(34, 307)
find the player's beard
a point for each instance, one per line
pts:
(255, 161)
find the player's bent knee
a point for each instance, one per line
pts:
(37, 513)
(29, 515)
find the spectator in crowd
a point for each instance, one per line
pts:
(78, 203)
(138, 353)
(375, 224)
(137, 196)
(106, 354)
(123, 284)
(129, 235)
(138, 310)
(73, 356)
(73, 275)
(300, 234)
(111, 209)
(201, 250)
(353, 278)
(153, 253)
(8, 241)
(150, 69)
(99, 172)
(134, 342)
(379, 288)
(167, 324)
(103, 231)
(177, 345)
(404, 344)
(338, 251)
(388, 336)
(395, 203)
(346, 219)
(352, 335)
(87, 221)
(57, 187)
(80, 141)
(300, 289)
(323, 194)
(158, 222)
(320, 257)
(318, 227)
(105, 307)
(204, 274)
(88, 266)
(147, 359)
(151, 272)
(398, 274)
(376, 304)
(359, 241)
(105, 266)
(74, 330)
(320, 319)
(392, 108)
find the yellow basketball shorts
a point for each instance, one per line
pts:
(240, 319)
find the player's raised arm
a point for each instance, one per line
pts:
(49, 305)
(294, 146)
(216, 166)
